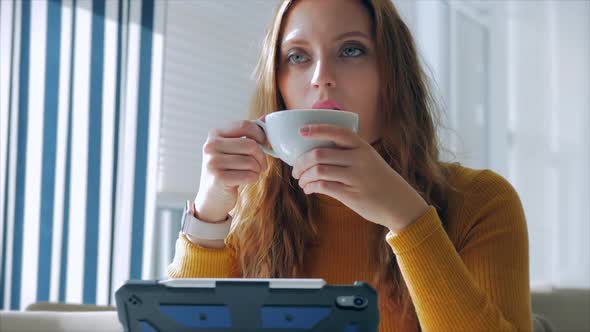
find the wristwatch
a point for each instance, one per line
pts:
(196, 228)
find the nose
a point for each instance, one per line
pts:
(323, 76)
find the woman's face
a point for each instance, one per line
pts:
(327, 54)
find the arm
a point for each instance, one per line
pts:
(483, 286)
(231, 157)
(196, 261)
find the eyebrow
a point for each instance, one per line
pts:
(345, 35)
(352, 34)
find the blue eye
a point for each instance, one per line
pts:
(297, 59)
(352, 52)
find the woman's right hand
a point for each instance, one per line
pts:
(231, 157)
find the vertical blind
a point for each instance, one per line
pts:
(80, 91)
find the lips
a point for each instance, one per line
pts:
(327, 105)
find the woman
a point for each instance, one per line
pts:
(445, 246)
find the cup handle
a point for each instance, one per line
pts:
(266, 150)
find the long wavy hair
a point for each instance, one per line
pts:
(273, 222)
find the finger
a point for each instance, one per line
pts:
(333, 189)
(234, 162)
(236, 178)
(326, 156)
(242, 128)
(326, 173)
(343, 137)
(238, 146)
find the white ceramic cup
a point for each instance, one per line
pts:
(282, 131)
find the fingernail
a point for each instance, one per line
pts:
(304, 131)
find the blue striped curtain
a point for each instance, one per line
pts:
(80, 90)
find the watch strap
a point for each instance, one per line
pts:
(200, 229)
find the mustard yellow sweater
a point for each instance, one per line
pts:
(472, 277)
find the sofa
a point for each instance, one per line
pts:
(556, 310)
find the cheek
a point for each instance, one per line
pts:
(366, 91)
(292, 89)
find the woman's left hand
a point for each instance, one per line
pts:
(355, 174)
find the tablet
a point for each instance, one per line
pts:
(224, 305)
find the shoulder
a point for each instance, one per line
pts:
(481, 201)
(472, 185)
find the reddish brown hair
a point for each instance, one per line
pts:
(273, 224)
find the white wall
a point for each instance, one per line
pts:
(549, 121)
(538, 117)
(210, 52)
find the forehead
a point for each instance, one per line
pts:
(325, 19)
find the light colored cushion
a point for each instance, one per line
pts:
(564, 309)
(37, 321)
(54, 306)
(540, 324)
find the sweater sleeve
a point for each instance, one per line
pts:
(482, 286)
(194, 261)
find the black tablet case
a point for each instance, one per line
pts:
(232, 306)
